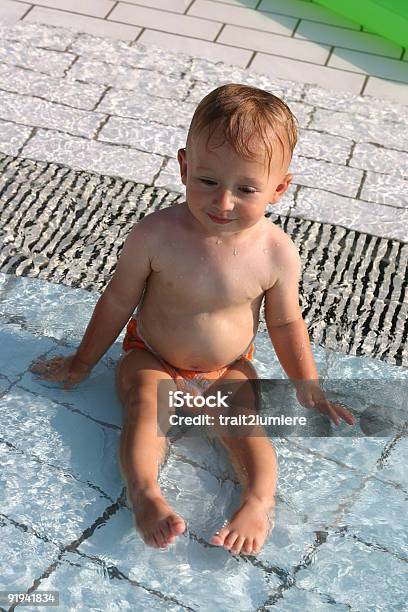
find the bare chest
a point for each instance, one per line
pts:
(213, 276)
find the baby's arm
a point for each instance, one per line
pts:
(289, 335)
(286, 327)
(111, 312)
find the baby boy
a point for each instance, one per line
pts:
(198, 273)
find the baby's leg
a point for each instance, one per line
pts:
(142, 449)
(255, 463)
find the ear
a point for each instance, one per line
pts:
(281, 188)
(182, 160)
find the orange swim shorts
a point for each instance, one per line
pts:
(186, 380)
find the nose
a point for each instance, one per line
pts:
(224, 200)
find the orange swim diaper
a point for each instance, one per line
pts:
(186, 380)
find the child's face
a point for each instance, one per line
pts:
(226, 193)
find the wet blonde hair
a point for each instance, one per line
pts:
(246, 115)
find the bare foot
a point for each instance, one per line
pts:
(248, 528)
(155, 519)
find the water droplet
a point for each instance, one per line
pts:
(235, 251)
(218, 241)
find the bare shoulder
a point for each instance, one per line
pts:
(285, 257)
(151, 228)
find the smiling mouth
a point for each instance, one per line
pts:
(219, 219)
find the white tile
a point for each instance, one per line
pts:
(376, 219)
(37, 35)
(274, 43)
(198, 48)
(12, 137)
(341, 37)
(392, 90)
(10, 12)
(94, 156)
(40, 60)
(165, 21)
(306, 10)
(41, 113)
(241, 3)
(93, 8)
(368, 63)
(177, 6)
(63, 91)
(307, 73)
(82, 23)
(235, 15)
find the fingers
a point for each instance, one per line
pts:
(345, 414)
(336, 412)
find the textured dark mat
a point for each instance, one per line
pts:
(68, 226)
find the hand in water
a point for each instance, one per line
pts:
(310, 395)
(67, 370)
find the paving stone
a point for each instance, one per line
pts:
(323, 146)
(388, 90)
(120, 545)
(12, 137)
(184, 25)
(326, 486)
(218, 74)
(344, 37)
(372, 157)
(145, 135)
(369, 63)
(242, 16)
(24, 556)
(135, 55)
(82, 23)
(306, 10)
(86, 7)
(307, 72)
(91, 155)
(123, 77)
(274, 44)
(13, 11)
(366, 106)
(375, 219)
(53, 503)
(144, 106)
(34, 417)
(85, 583)
(41, 60)
(360, 129)
(196, 47)
(302, 599)
(381, 574)
(41, 113)
(385, 189)
(38, 35)
(169, 177)
(340, 179)
(63, 91)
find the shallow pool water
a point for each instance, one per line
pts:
(339, 540)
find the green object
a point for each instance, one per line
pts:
(389, 18)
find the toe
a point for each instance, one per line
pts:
(230, 539)
(247, 546)
(219, 536)
(176, 525)
(236, 549)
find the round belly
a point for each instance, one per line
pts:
(203, 342)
